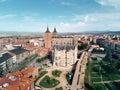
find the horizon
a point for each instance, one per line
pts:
(38, 32)
(66, 15)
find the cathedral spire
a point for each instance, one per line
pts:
(54, 30)
(47, 29)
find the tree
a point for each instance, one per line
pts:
(99, 87)
(82, 46)
(108, 56)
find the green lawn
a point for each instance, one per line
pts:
(56, 73)
(109, 71)
(102, 70)
(95, 69)
(40, 75)
(112, 86)
(48, 82)
(96, 79)
(88, 79)
(108, 77)
(99, 87)
(95, 75)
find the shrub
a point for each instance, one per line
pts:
(48, 82)
(56, 73)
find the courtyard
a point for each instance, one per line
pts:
(54, 78)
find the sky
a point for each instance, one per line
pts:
(65, 15)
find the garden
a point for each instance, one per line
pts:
(105, 70)
(40, 75)
(69, 77)
(48, 82)
(56, 73)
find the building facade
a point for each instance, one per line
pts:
(6, 63)
(64, 55)
(64, 49)
(112, 45)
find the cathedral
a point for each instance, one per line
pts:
(64, 49)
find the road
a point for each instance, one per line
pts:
(107, 81)
(78, 79)
(15, 68)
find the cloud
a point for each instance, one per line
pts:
(89, 18)
(71, 27)
(92, 22)
(114, 3)
(83, 18)
(78, 18)
(8, 16)
(3, 0)
(27, 18)
(67, 4)
(61, 16)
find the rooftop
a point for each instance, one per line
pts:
(47, 31)
(18, 51)
(55, 31)
(5, 57)
(58, 47)
(19, 80)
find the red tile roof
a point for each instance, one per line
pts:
(19, 80)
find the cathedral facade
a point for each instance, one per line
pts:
(64, 49)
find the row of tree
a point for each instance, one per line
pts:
(113, 65)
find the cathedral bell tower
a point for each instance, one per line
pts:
(47, 38)
(54, 33)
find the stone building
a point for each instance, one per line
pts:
(51, 39)
(64, 49)
(64, 55)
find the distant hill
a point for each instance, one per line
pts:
(62, 33)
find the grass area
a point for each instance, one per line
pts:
(95, 68)
(60, 88)
(48, 82)
(95, 75)
(108, 68)
(108, 77)
(56, 73)
(102, 70)
(112, 86)
(27, 61)
(40, 75)
(88, 79)
(117, 84)
(69, 77)
(99, 87)
(96, 79)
